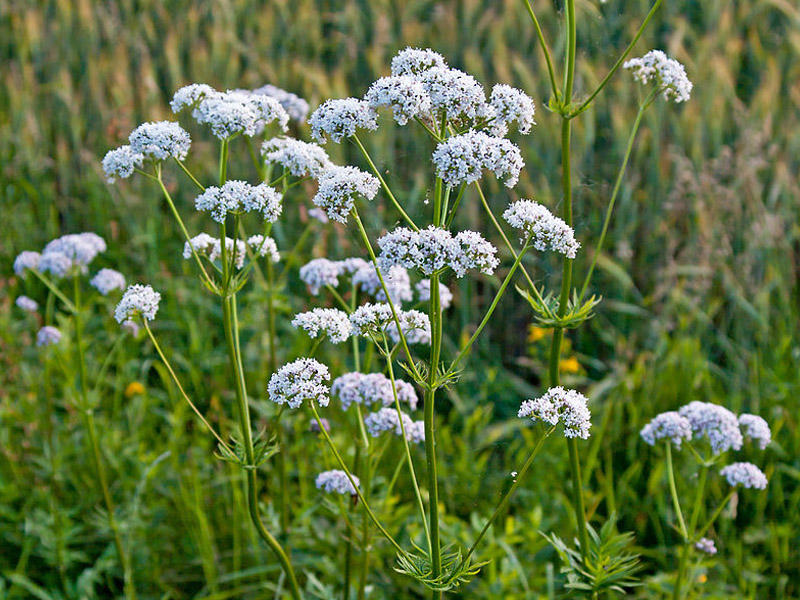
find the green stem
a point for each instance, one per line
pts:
(200, 186)
(56, 292)
(383, 183)
(673, 490)
(545, 50)
(701, 532)
(695, 515)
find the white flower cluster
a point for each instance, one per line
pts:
(544, 229)
(239, 197)
(462, 159)
(232, 112)
(107, 280)
(372, 388)
(320, 272)
(27, 304)
(376, 319)
(559, 405)
(756, 429)
(668, 425)
(715, 422)
(47, 336)
(264, 246)
(405, 95)
(415, 61)
(138, 300)
(325, 321)
(67, 255)
(396, 279)
(338, 189)
(303, 379)
(337, 482)
(668, 73)
(386, 419)
(432, 249)
(158, 141)
(27, 259)
(423, 288)
(298, 157)
(295, 106)
(511, 105)
(371, 319)
(745, 474)
(121, 162)
(339, 118)
(415, 325)
(706, 546)
(210, 247)
(455, 95)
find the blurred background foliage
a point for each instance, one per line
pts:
(700, 285)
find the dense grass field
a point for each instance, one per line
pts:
(700, 283)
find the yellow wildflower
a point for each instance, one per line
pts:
(134, 388)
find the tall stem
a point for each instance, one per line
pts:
(673, 490)
(683, 561)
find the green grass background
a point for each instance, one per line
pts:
(700, 285)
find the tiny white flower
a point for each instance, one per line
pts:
(47, 336)
(121, 162)
(298, 157)
(669, 75)
(415, 325)
(405, 95)
(715, 422)
(745, 474)
(545, 230)
(264, 246)
(232, 112)
(295, 106)
(303, 379)
(237, 197)
(454, 94)
(160, 140)
(107, 280)
(138, 300)
(320, 272)
(339, 118)
(386, 419)
(462, 159)
(423, 288)
(756, 429)
(337, 482)
(27, 304)
(668, 425)
(511, 105)
(559, 405)
(415, 61)
(325, 321)
(338, 189)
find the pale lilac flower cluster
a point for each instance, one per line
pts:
(706, 546)
(668, 73)
(715, 422)
(338, 189)
(295, 106)
(27, 259)
(340, 118)
(298, 157)
(47, 336)
(544, 229)
(325, 321)
(27, 304)
(559, 405)
(405, 95)
(318, 214)
(108, 280)
(668, 425)
(371, 319)
(303, 379)
(511, 105)
(745, 474)
(756, 429)
(264, 246)
(158, 141)
(415, 325)
(336, 481)
(68, 254)
(210, 247)
(319, 273)
(415, 61)
(423, 288)
(138, 300)
(236, 197)
(462, 159)
(372, 388)
(432, 249)
(121, 162)
(386, 419)
(232, 112)
(396, 279)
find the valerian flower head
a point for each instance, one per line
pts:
(405, 95)
(325, 321)
(160, 140)
(298, 157)
(415, 325)
(47, 336)
(545, 230)
(232, 112)
(433, 249)
(511, 105)
(108, 280)
(70, 254)
(667, 425)
(55, 263)
(669, 75)
(26, 259)
(295, 106)
(386, 419)
(415, 61)
(423, 288)
(715, 422)
(264, 246)
(121, 162)
(475, 253)
(395, 277)
(454, 94)
(295, 382)
(339, 118)
(27, 304)
(337, 482)
(371, 319)
(706, 546)
(559, 405)
(462, 159)
(138, 300)
(237, 197)
(756, 429)
(320, 272)
(745, 474)
(338, 189)
(371, 388)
